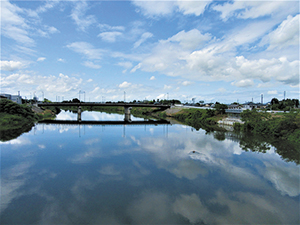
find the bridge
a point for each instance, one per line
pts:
(127, 106)
(234, 113)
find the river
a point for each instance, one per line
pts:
(142, 174)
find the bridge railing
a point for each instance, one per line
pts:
(234, 111)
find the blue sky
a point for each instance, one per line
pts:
(222, 51)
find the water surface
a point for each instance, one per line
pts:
(146, 174)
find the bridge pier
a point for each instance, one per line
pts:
(79, 113)
(127, 113)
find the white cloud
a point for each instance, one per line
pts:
(110, 36)
(286, 34)
(197, 56)
(164, 8)
(143, 38)
(91, 65)
(186, 83)
(222, 90)
(166, 87)
(52, 30)
(272, 92)
(161, 96)
(125, 84)
(61, 60)
(86, 49)
(243, 83)
(18, 27)
(254, 9)
(13, 25)
(104, 27)
(78, 15)
(41, 59)
(189, 40)
(155, 8)
(95, 90)
(152, 78)
(192, 7)
(11, 65)
(50, 85)
(126, 65)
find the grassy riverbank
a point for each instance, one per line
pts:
(197, 118)
(16, 119)
(284, 126)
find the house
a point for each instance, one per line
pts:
(14, 98)
(234, 106)
(251, 105)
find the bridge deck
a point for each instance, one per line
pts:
(103, 104)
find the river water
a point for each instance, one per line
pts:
(142, 174)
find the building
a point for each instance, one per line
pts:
(14, 98)
(234, 106)
(251, 105)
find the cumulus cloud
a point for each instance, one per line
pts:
(243, 83)
(125, 84)
(11, 65)
(197, 56)
(152, 78)
(50, 85)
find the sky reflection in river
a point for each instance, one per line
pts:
(142, 175)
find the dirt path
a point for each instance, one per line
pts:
(173, 110)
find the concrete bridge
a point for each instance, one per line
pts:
(234, 113)
(127, 106)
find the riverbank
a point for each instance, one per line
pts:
(16, 119)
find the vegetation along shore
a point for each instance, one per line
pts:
(16, 119)
(285, 126)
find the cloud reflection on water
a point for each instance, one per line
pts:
(107, 178)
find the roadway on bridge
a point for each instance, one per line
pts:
(103, 104)
(91, 122)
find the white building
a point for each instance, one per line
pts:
(14, 98)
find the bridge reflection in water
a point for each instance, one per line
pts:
(107, 123)
(92, 122)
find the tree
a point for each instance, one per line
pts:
(75, 100)
(274, 101)
(220, 108)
